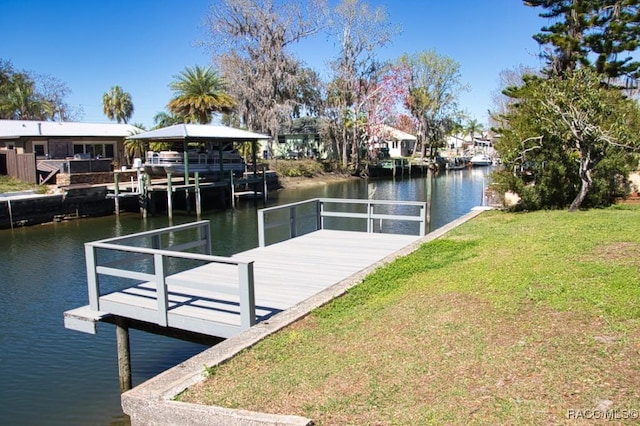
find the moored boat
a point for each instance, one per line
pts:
(481, 160)
(206, 163)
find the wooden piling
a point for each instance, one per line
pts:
(143, 197)
(186, 191)
(198, 197)
(264, 186)
(124, 355)
(116, 192)
(169, 197)
(233, 191)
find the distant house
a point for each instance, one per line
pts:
(54, 144)
(395, 141)
(460, 144)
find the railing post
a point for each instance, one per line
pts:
(247, 296)
(370, 217)
(206, 230)
(161, 289)
(93, 285)
(423, 221)
(292, 222)
(319, 218)
(261, 229)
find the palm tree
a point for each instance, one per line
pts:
(199, 92)
(135, 148)
(473, 127)
(117, 105)
(162, 119)
(20, 101)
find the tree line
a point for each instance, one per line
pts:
(256, 82)
(569, 132)
(566, 133)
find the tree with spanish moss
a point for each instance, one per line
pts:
(251, 40)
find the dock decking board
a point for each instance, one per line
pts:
(202, 299)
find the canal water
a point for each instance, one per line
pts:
(54, 376)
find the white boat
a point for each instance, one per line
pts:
(481, 160)
(205, 163)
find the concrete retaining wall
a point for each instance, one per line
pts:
(35, 209)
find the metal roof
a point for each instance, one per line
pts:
(397, 133)
(28, 128)
(199, 131)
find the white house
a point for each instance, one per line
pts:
(399, 143)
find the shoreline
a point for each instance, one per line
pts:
(26, 208)
(323, 179)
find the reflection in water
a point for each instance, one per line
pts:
(61, 377)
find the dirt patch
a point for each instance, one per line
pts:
(623, 253)
(323, 179)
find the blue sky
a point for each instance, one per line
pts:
(141, 44)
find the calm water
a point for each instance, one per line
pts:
(54, 376)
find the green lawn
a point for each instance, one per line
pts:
(508, 319)
(8, 184)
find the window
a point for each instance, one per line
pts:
(39, 149)
(105, 150)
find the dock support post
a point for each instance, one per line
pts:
(187, 198)
(124, 355)
(169, 197)
(143, 197)
(233, 191)
(10, 212)
(264, 186)
(198, 198)
(116, 192)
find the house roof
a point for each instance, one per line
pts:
(199, 131)
(388, 131)
(10, 129)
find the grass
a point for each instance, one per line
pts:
(508, 319)
(8, 184)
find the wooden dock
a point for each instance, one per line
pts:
(253, 185)
(221, 296)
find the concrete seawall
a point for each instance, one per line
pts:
(30, 209)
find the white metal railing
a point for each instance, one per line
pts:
(158, 276)
(318, 209)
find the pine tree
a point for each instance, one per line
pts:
(587, 29)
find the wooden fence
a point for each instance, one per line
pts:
(20, 166)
